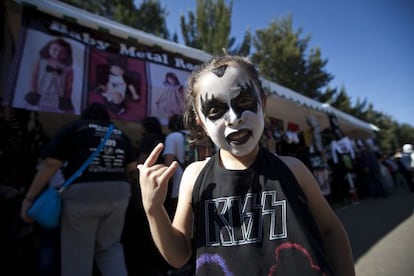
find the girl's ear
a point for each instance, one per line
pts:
(264, 100)
(200, 123)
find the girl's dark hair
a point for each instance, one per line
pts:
(68, 60)
(176, 122)
(153, 125)
(95, 111)
(197, 133)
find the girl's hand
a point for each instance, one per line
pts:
(153, 180)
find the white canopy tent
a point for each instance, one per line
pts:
(282, 103)
(286, 104)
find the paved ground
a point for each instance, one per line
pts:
(381, 232)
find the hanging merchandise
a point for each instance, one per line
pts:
(316, 139)
(334, 124)
(267, 139)
(317, 159)
(342, 151)
(291, 134)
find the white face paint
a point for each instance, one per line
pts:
(230, 108)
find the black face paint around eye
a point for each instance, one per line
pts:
(212, 108)
(246, 100)
(219, 72)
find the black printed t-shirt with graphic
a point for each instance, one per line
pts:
(76, 141)
(254, 222)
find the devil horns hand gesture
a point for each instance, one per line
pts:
(153, 180)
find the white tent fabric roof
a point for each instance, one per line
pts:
(284, 103)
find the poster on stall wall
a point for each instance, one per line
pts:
(62, 67)
(168, 93)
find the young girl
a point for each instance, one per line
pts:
(245, 210)
(52, 77)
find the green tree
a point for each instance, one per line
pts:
(244, 48)
(149, 17)
(404, 134)
(209, 30)
(359, 108)
(328, 95)
(315, 76)
(387, 136)
(282, 56)
(342, 101)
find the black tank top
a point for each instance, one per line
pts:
(254, 222)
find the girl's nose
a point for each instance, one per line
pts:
(233, 119)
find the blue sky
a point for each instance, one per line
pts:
(369, 44)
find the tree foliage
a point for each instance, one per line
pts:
(149, 17)
(282, 56)
(209, 29)
(342, 101)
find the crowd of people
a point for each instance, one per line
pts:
(137, 211)
(348, 169)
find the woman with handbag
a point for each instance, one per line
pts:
(94, 205)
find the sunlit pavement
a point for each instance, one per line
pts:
(381, 232)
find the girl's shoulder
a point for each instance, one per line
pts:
(190, 175)
(196, 167)
(293, 163)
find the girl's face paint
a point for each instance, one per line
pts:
(230, 109)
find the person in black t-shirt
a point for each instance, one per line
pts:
(94, 205)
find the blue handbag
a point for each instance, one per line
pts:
(47, 207)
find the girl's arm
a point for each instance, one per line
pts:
(172, 240)
(334, 236)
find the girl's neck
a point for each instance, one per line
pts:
(232, 162)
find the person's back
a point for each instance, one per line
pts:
(370, 166)
(407, 160)
(152, 136)
(407, 157)
(94, 205)
(174, 150)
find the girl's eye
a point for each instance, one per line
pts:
(246, 103)
(215, 113)
(213, 109)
